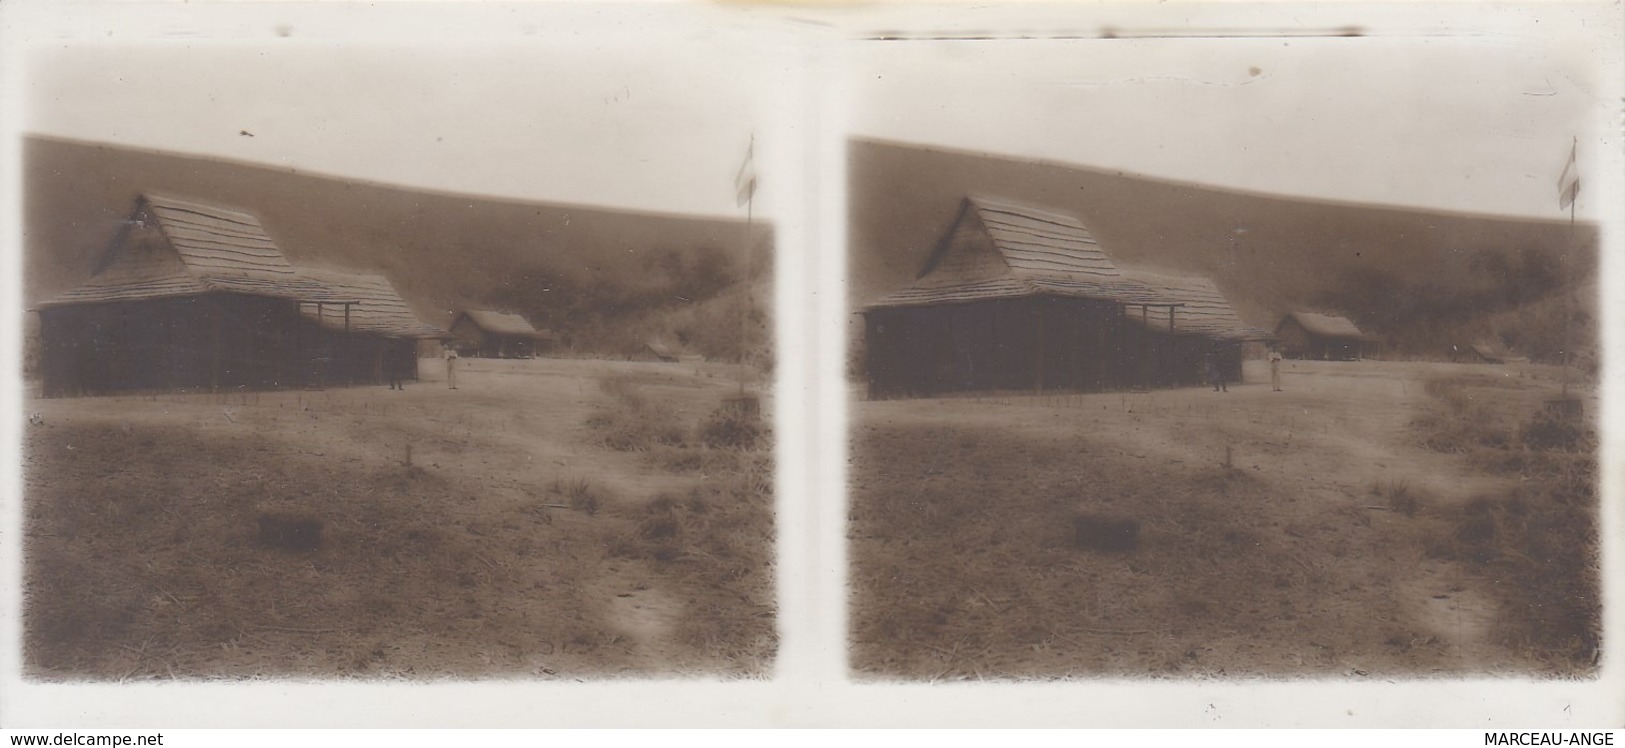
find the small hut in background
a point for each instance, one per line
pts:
(196, 296)
(1016, 297)
(1484, 353)
(1487, 353)
(489, 334)
(1324, 337)
(658, 350)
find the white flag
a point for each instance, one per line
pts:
(745, 180)
(1568, 185)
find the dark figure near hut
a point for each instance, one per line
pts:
(1275, 368)
(1215, 376)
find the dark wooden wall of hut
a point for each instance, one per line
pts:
(507, 346)
(1030, 344)
(212, 342)
(332, 358)
(1006, 344)
(1180, 360)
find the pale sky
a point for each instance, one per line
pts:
(628, 116)
(1466, 109)
(1456, 117)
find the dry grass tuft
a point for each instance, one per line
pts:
(1399, 496)
(580, 494)
(731, 426)
(1551, 432)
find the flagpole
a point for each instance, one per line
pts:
(1568, 297)
(746, 180)
(744, 307)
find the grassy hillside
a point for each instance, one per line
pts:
(1421, 280)
(604, 278)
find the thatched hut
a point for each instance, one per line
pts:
(1325, 337)
(1486, 353)
(196, 296)
(1015, 297)
(490, 334)
(658, 350)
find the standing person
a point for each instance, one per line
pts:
(1215, 377)
(451, 367)
(394, 367)
(1275, 368)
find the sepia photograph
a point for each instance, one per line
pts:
(1225, 355)
(398, 359)
(679, 364)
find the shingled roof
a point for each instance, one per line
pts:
(1002, 249)
(177, 248)
(1041, 243)
(172, 248)
(1202, 310)
(378, 307)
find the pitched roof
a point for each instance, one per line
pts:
(1000, 249)
(1039, 242)
(1325, 325)
(208, 248)
(659, 348)
(501, 323)
(171, 248)
(217, 242)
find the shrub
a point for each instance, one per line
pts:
(1551, 432)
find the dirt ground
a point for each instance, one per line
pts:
(481, 532)
(1270, 542)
